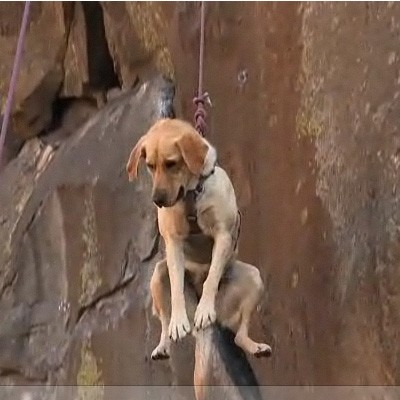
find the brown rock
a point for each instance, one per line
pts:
(305, 107)
(76, 68)
(136, 35)
(79, 244)
(41, 73)
(310, 96)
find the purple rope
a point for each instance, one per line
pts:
(201, 58)
(200, 113)
(14, 75)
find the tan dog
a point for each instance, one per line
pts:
(199, 221)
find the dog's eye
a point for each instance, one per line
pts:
(170, 164)
(150, 166)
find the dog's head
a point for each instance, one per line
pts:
(176, 155)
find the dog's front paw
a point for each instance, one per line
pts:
(179, 327)
(205, 314)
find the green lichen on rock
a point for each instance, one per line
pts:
(90, 275)
(89, 377)
(308, 122)
(309, 119)
(149, 25)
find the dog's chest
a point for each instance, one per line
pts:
(198, 248)
(197, 245)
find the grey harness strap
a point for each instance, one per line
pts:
(190, 204)
(191, 211)
(236, 232)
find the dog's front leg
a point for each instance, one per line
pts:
(222, 251)
(179, 325)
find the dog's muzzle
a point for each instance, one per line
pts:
(160, 198)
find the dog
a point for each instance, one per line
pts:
(199, 221)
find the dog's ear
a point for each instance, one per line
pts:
(137, 153)
(194, 151)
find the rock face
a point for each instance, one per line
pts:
(41, 73)
(305, 103)
(139, 27)
(78, 245)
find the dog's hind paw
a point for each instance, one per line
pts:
(161, 352)
(262, 350)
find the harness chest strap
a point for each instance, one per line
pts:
(191, 211)
(194, 227)
(190, 203)
(237, 229)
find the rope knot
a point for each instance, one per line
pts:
(200, 114)
(202, 98)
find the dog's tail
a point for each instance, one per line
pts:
(222, 368)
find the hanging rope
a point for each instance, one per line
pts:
(200, 113)
(14, 75)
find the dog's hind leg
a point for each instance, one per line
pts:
(240, 293)
(160, 292)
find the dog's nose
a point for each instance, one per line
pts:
(160, 198)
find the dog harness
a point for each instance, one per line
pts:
(191, 210)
